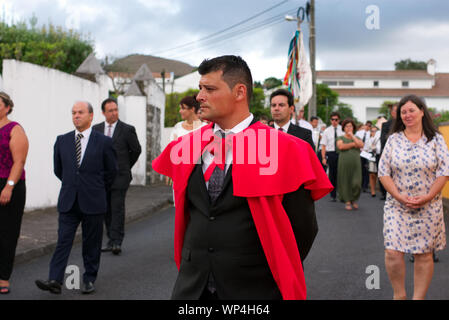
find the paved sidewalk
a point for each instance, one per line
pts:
(39, 230)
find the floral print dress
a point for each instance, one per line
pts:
(414, 168)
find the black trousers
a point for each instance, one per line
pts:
(365, 173)
(114, 218)
(332, 162)
(10, 223)
(92, 230)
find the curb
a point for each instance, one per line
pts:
(42, 250)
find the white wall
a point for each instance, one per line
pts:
(132, 110)
(43, 99)
(189, 81)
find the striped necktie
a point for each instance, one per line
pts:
(78, 148)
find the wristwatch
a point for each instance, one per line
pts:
(11, 183)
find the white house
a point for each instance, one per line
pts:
(365, 91)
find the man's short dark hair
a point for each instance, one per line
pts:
(335, 113)
(313, 118)
(106, 101)
(283, 92)
(235, 70)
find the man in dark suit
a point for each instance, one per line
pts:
(235, 238)
(127, 147)
(282, 108)
(384, 134)
(85, 162)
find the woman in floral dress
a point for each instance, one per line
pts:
(414, 168)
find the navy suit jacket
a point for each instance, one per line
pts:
(90, 181)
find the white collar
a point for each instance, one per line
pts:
(284, 127)
(238, 128)
(86, 133)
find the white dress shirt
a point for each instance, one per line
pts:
(304, 124)
(208, 157)
(284, 127)
(106, 128)
(328, 138)
(84, 140)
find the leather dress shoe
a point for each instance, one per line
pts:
(116, 249)
(50, 285)
(88, 288)
(108, 248)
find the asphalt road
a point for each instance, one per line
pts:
(336, 268)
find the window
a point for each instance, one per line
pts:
(346, 83)
(330, 83)
(376, 84)
(405, 84)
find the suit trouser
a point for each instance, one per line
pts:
(365, 173)
(92, 233)
(332, 162)
(114, 218)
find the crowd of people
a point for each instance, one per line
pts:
(239, 233)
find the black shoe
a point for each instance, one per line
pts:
(334, 200)
(383, 198)
(116, 249)
(108, 248)
(49, 285)
(88, 288)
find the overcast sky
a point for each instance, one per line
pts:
(347, 35)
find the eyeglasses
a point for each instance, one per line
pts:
(334, 119)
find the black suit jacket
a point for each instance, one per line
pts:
(89, 182)
(127, 147)
(384, 133)
(301, 133)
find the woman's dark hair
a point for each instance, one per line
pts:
(429, 128)
(190, 102)
(345, 122)
(7, 101)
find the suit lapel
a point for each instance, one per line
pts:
(91, 144)
(118, 130)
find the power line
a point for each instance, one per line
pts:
(238, 34)
(221, 31)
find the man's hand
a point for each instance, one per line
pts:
(5, 196)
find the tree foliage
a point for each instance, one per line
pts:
(409, 64)
(271, 82)
(49, 46)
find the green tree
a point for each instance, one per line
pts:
(409, 64)
(48, 46)
(345, 112)
(271, 82)
(257, 104)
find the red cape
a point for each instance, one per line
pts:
(266, 165)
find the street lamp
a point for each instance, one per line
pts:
(310, 10)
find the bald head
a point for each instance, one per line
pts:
(82, 115)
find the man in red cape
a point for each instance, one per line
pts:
(244, 235)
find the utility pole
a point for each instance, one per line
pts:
(312, 102)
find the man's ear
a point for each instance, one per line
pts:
(240, 92)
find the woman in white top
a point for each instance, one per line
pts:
(374, 149)
(188, 108)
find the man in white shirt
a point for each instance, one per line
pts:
(329, 152)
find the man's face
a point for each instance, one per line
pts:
(335, 120)
(393, 112)
(110, 112)
(215, 97)
(280, 110)
(314, 123)
(81, 117)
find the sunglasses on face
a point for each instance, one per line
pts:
(334, 119)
